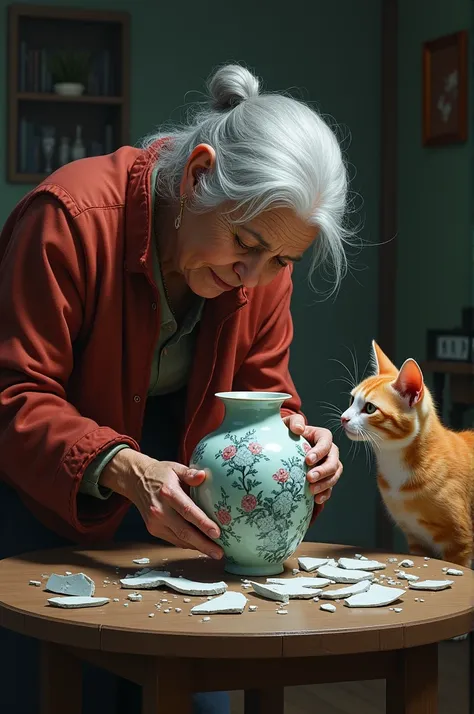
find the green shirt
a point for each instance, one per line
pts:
(170, 368)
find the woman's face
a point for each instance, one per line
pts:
(215, 254)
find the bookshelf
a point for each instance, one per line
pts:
(68, 87)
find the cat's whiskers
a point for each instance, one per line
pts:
(352, 377)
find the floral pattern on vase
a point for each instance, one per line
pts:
(256, 491)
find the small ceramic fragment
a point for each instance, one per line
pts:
(177, 609)
(191, 587)
(116, 599)
(426, 558)
(358, 556)
(310, 564)
(35, 583)
(360, 564)
(135, 597)
(126, 604)
(282, 612)
(431, 585)
(354, 589)
(151, 614)
(408, 576)
(339, 575)
(68, 572)
(205, 619)
(145, 580)
(362, 557)
(295, 571)
(425, 565)
(141, 561)
(79, 585)
(73, 602)
(328, 608)
(392, 560)
(407, 563)
(376, 596)
(186, 599)
(271, 592)
(454, 571)
(168, 609)
(252, 608)
(305, 582)
(231, 603)
(397, 609)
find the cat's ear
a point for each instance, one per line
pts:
(409, 383)
(381, 363)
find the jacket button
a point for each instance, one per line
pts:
(136, 398)
(153, 305)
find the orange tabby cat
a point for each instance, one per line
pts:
(425, 471)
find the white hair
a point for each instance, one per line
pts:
(271, 151)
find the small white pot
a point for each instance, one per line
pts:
(69, 89)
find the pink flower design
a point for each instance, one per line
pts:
(281, 476)
(228, 452)
(249, 503)
(255, 448)
(223, 516)
(306, 447)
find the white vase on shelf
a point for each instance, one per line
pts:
(78, 150)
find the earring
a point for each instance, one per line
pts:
(179, 217)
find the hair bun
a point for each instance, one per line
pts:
(231, 85)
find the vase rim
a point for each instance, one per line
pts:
(254, 396)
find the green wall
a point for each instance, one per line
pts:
(435, 237)
(328, 53)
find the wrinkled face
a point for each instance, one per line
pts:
(377, 413)
(215, 255)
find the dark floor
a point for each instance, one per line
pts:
(369, 697)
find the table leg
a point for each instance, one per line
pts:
(265, 701)
(164, 691)
(61, 681)
(412, 687)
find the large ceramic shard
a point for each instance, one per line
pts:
(310, 564)
(71, 602)
(431, 585)
(375, 596)
(145, 581)
(340, 575)
(341, 593)
(305, 582)
(232, 603)
(360, 564)
(78, 585)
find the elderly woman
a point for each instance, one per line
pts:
(133, 287)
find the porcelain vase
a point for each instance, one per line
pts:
(256, 488)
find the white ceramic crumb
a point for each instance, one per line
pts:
(349, 590)
(177, 609)
(407, 563)
(252, 608)
(360, 564)
(454, 571)
(431, 585)
(310, 564)
(376, 596)
(282, 612)
(231, 602)
(35, 583)
(74, 602)
(328, 608)
(393, 560)
(135, 597)
(116, 599)
(408, 576)
(340, 575)
(186, 599)
(67, 572)
(79, 585)
(141, 561)
(358, 556)
(205, 619)
(295, 571)
(151, 614)
(398, 609)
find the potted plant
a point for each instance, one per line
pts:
(70, 72)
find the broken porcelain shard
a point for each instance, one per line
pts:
(231, 602)
(408, 576)
(431, 585)
(256, 488)
(155, 579)
(310, 564)
(407, 563)
(340, 575)
(348, 591)
(454, 572)
(327, 607)
(305, 582)
(360, 564)
(79, 585)
(74, 602)
(141, 561)
(271, 592)
(375, 596)
(283, 593)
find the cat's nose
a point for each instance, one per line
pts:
(345, 420)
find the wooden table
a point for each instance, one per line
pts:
(173, 654)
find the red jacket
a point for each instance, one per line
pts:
(79, 318)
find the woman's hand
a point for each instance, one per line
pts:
(323, 456)
(155, 489)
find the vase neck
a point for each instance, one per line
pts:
(248, 410)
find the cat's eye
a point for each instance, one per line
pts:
(370, 408)
(351, 400)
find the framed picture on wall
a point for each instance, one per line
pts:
(445, 89)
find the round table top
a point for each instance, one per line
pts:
(304, 631)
